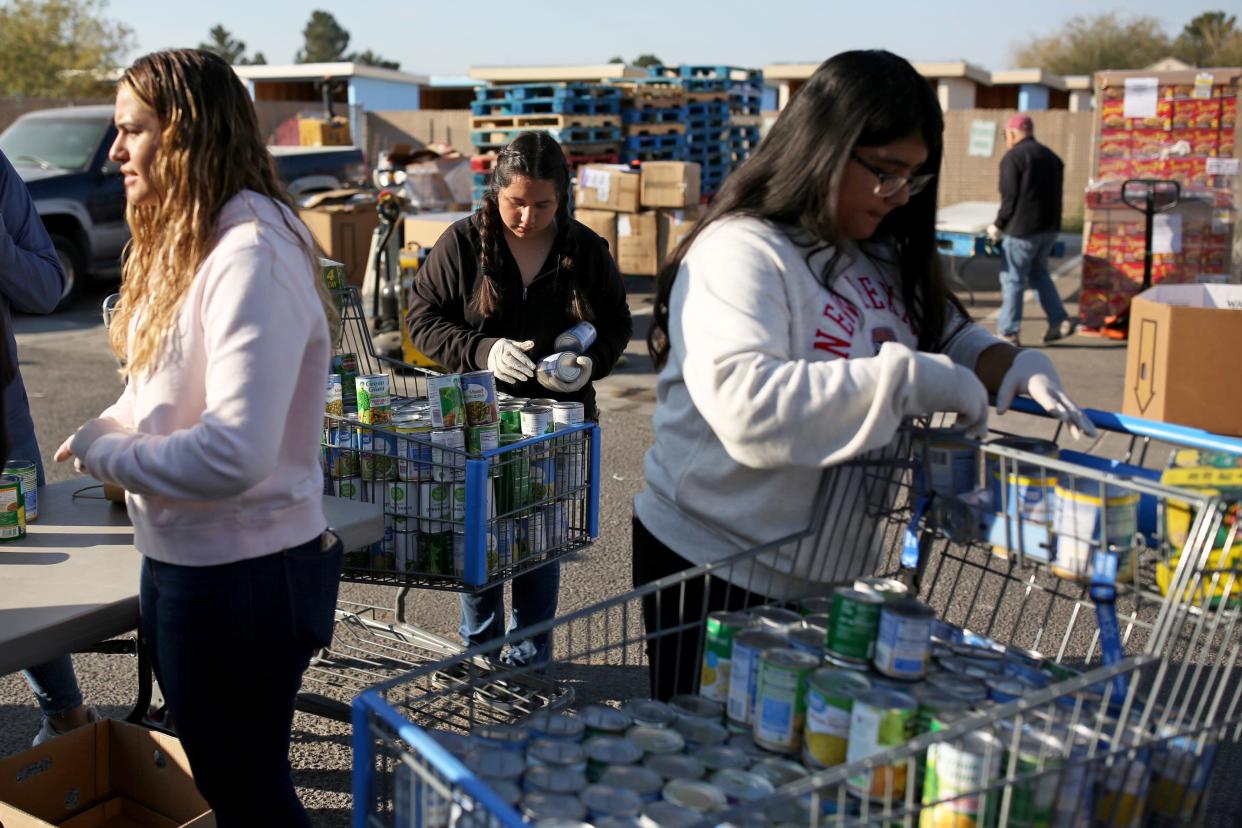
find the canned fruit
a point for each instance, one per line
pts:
(829, 703)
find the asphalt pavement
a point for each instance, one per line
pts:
(71, 375)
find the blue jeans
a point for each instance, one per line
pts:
(229, 644)
(1026, 261)
(534, 600)
(55, 686)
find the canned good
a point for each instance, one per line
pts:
(780, 700)
(482, 438)
(886, 588)
(448, 461)
(561, 366)
(744, 740)
(944, 463)
(444, 398)
(506, 765)
(667, 815)
(28, 472)
(1003, 689)
(741, 786)
(603, 801)
(955, 771)
(903, 645)
(748, 646)
(478, 392)
(675, 766)
(346, 365)
(567, 414)
(963, 687)
(696, 707)
(513, 483)
(815, 605)
(536, 420)
(502, 737)
(700, 733)
(538, 805)
(547, 779)
(656, 739)
(776, 619)
(880, 719)
(1181, 769)
(12, 508)
(377, 451)
(779, 772)
(601, 720)
(511, 417)
(830, 700)
(374, 399)
(1023, 493)
(1089, 517)
(649, 712)
(577, 339)
(434, 528)
(542, 474)
(719, 757)
(696, 795)
(642, 781)
(1033, 800)
(557, 753)
(853, 627)
(603, 751)
(551, 725)
(413, 447)
(334, 399)
(808, 640)
(818, 622)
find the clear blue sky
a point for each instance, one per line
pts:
(450, 36)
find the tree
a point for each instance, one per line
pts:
(617, 59)
(1210, 39)
(226, 46)
(371, 59)
(59, 48)
(643, 61)
(324, 40)
(1086, 44)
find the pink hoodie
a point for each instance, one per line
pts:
(219, 446)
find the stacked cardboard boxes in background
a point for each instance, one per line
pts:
(1190, 138)
(642, 213)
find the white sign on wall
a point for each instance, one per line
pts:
(982, 139)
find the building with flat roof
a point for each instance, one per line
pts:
(598, 73)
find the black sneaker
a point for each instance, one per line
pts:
(1055, 332)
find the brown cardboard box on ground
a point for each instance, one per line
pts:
(342, 229)
(425, 229)
(603, 222)
(670, 184)
(607, 187)
(673, 225)
(320, 132)
(107, 775)
(637, 244)
(1180, 355)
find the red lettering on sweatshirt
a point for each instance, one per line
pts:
(895, 304)
(844, 320)
(873, 297)
(834, 345)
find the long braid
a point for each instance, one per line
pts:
(579, 306)
(487, 298)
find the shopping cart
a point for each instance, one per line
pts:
(453, 521)
(1123, 620)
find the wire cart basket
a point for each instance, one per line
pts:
(453, 521)
(1093, 595)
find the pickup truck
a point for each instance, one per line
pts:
(62, 155)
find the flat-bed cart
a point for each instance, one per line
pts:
(1129, 655)
(455, 521)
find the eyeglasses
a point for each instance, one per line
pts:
(889, 184)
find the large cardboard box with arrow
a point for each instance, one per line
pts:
(1182, 357)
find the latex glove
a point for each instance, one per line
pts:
(584, 376)
(1033, 374)
(508, 360)
(943, 385)
(994, 234)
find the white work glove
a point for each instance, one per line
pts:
(943, 385)
(555, 384)
(1033, 374)
(508, 360)
(994, 234)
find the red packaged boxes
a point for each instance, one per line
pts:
(1228, 113)
(1163, 118)
(1115, 143)
(1112, 113)
(1196, 114)
(1203, 142)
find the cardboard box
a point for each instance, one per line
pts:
(638, 244)
(1173, 357)
(608, 187)
(343, 228)
(603, 222)
(425, 229)
(673, 226)
(670, 184)
(319, 132)
(110, 773)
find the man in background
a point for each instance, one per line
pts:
(1031, 177)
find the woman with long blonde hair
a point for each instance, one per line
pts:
(224, 331)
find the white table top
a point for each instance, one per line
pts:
(73, 580)
(969, 217)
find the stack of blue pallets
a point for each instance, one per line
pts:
(653, 121)
(585, 118)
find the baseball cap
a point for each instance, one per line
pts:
(1019, 122)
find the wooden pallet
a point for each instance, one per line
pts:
(701, 97)
(651, 96)
(668, 128)
(745, 120)
(542, 121)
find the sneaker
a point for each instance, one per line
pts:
(1055, 332)
(1012, 339)
(48, 731)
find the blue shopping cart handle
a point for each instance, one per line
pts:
(1126, 424)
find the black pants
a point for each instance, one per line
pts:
(674, 617)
